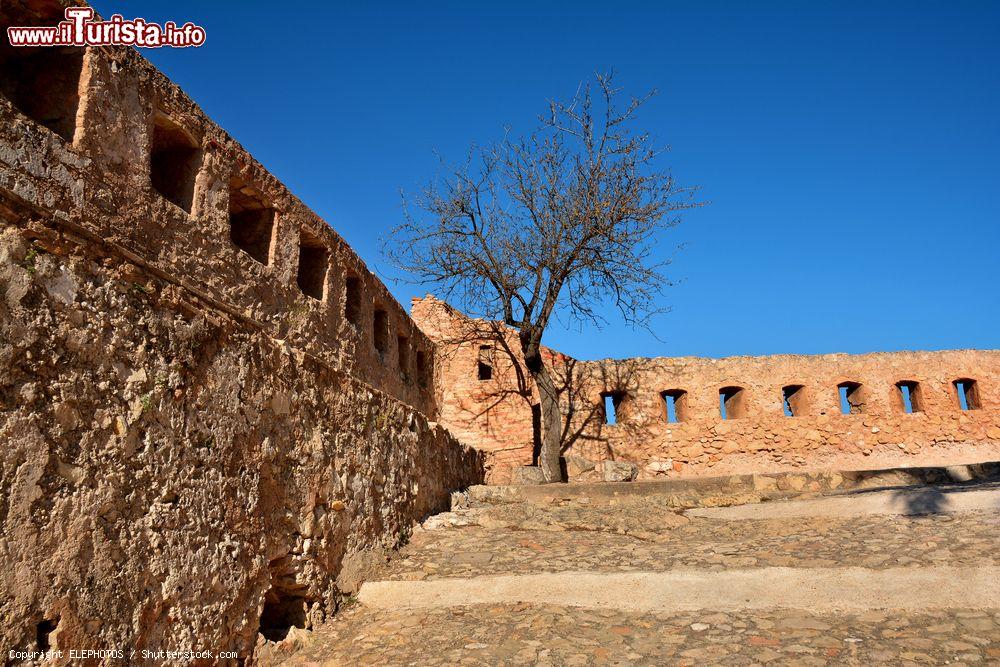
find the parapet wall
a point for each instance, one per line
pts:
(104, 145)
(495, 414)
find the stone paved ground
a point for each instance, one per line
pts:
(641, 536)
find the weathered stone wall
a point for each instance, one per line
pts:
(166, 474)
(213, 418)
(496, 414)
(99, 180)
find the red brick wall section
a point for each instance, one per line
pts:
(489, 415)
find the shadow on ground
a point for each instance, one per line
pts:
(926, 500)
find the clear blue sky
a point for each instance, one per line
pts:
(850, 150)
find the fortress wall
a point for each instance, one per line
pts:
(496, 414)
(172, 480)
(131, 131)
(760, 437)
(199, 436)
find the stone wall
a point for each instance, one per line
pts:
(495, 414)
(214, 420)
(134, 146)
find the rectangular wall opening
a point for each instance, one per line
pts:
(852, 399)
(484, 363)
(174, 161)
(352, 300)
(42, 82)
(731, 403)
(675, 402)
(909, 396)
(313, 260)
(403, 355)
(611, 404)
(422, 368)
(967, 392)
(380, 331)
(793, 400)
(251, 220)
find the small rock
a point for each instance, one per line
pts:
(577, 465)
(619, 471)
(527, 475)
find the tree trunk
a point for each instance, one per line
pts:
(551, 424)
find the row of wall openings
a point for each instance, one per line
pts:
(380, 333)
(42, 82)
(793, 399)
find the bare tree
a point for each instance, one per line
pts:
(557, 223)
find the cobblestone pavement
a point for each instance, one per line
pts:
(643, 536)
(529, 539)
(545, 635)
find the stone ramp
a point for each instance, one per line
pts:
(640, 583)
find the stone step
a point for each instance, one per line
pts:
(842, 589)
(731, 489)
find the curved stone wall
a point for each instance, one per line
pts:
(869, 427)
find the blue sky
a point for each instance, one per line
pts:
(850, 151)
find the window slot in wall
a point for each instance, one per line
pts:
(352, 300)
(732, 404)
(611, 402)
(793, 400)
(675, 402)
(403, 355)
(41, 82)
(380, 331)
(251, 220)
(852, 398)
(421, 368)
(909, 396)
(484, 363)
(313, 261)
(174, 161)
(967, 392)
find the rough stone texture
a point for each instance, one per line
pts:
(496, 414)
(618, 471)
(642, 536)
(191, 446)
(729, 490)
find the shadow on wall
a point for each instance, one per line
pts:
(501, 376)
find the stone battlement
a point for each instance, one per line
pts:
(98, 142)
(685, 416)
